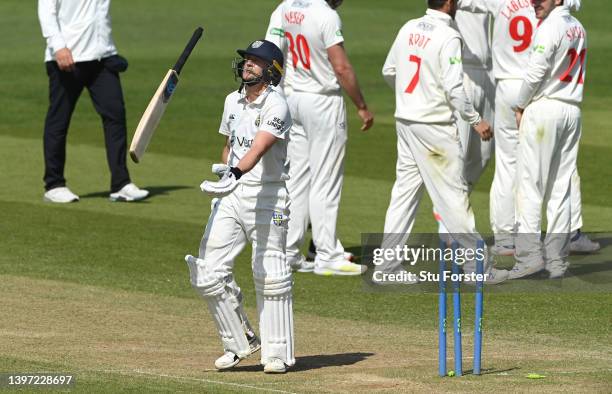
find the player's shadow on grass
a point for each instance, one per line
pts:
(306, 363)
(153, 191)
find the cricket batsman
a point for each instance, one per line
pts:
(252, 206)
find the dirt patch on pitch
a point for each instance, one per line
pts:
(98, 329)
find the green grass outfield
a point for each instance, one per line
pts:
(101, 289)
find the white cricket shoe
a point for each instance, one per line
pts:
(343, 267)
(311, 256)
(275, 365)
(495, 276)
(521, 270)
(228, 360)
(61, 195)
(128, 193)
(556, 269)
(503, 250)
(302, 265)
(583, 244)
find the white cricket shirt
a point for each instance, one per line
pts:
(310, 27)
(557, 64)
(424, 68)
(474, 29)
(513, 30)
(83, 26)
(242, 120)
(276, 34)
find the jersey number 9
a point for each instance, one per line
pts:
(523, 37)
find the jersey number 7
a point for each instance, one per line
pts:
(415, 79)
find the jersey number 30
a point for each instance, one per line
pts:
(299, 50)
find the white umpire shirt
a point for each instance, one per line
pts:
(83, 26)
(242, 120)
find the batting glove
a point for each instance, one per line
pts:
(220, 169)
(224, 186)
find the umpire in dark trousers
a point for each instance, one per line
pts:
(81, 54)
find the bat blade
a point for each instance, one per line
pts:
(152, 115)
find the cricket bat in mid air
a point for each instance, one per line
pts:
(152, 115)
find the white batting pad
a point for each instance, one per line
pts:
(275, 305)
(223, 307)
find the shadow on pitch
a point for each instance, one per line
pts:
(492, 371)
(153, 191)
(307, 363)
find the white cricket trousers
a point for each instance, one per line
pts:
(256, 214)
(501, 200)
(546, 162)
(480, 89)
(430, 155)
(316, 155)
(503, 188)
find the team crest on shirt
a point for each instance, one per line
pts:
(258, 121)
(278, 218)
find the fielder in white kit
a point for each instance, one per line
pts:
(317, 69)
(480, 89)
(548, 112)
(424, 68)
(513, 31)
(252, 205)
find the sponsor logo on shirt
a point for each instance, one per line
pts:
(339, 33)
(242, 142)
(275, 31)
(425, 26)
(455, 60)
(300, 4)
(277, 123)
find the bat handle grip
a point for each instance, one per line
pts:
(187, 51)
